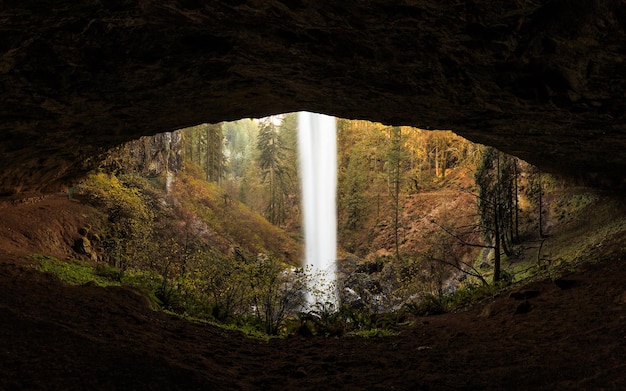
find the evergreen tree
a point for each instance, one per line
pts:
(289, 136)
(274, 172)
(495, 178)
(536, 195)
(360, 164)
(240, 139)
(204, 147)
(214, 157)
(352, 186)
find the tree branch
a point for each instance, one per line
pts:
(473, 273)
(460, 239)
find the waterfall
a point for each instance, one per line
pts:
(317, 145)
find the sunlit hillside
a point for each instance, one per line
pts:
(226, 223)
(191, 214)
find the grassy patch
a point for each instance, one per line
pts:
(75, 272)
(373, 333)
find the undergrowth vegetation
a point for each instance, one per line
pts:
(259, 298)
(198, 253)
(189, 257)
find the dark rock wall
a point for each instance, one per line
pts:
(540, 79)
(150, 156)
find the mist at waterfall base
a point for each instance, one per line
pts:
(317, 145)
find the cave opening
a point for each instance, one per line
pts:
(541, 80)
(415, 216)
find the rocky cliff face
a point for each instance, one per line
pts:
(543, 80)
(149, 156)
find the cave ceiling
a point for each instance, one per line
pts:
(544, 80)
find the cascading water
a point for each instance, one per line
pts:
(317, 145)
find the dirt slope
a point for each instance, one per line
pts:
(59, 337)
(47, 225)
(568, 334)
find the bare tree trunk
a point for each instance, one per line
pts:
(516, 200)
(496, 223)
(496, 246)
(511, 208)
(541, 235)
(397, 207)
(437, 161)
(209, 152)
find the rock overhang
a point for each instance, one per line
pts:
(544, 80)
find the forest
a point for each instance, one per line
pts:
(206, 220)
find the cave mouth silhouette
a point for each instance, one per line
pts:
(539, 80)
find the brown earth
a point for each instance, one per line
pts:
(566, 334)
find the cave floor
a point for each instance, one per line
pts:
(568, 334)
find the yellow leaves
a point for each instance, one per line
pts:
(232, 222)
(114, 195)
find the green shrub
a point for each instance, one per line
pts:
(325, 319)
(506, 278)
(169, 298)
(127, 240)
(108, 272)
(429, 305)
